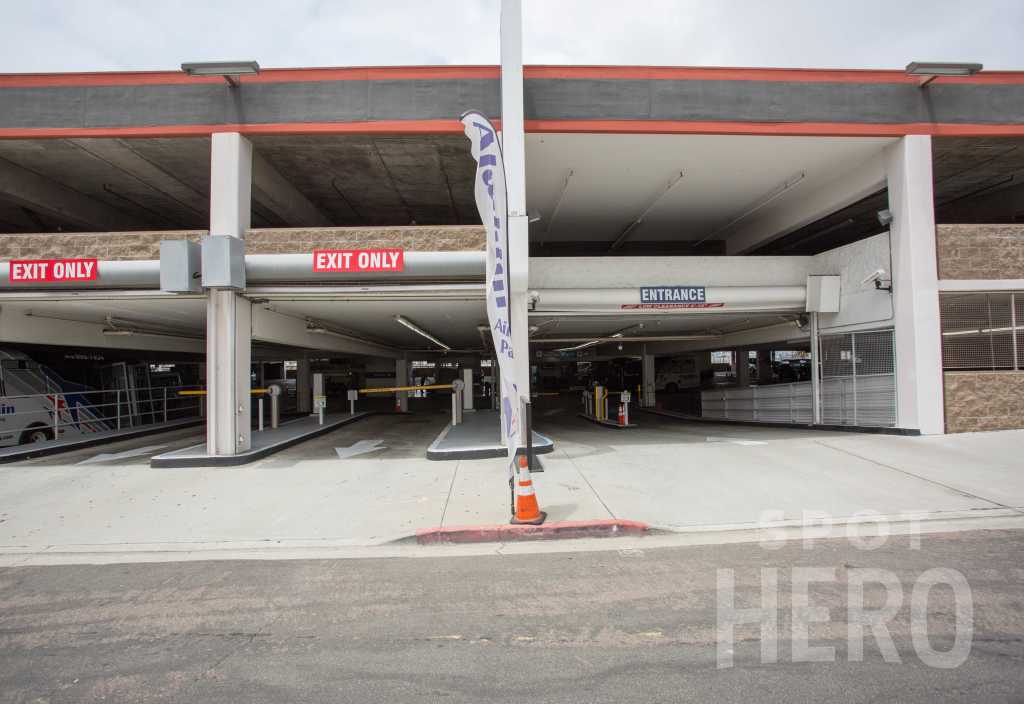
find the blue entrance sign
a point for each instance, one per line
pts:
(673, 294)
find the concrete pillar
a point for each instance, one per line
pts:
(402, 379)
(915, 286)
(228, 315)
(303, 386)
(647, 380)
(815, 370)
(764, 367)
(467, 398)
(743, 367)
(701, 363)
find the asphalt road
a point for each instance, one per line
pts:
(614, 626)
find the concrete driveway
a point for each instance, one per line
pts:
(670, 474)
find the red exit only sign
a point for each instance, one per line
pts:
(333, 260)
(52, 270)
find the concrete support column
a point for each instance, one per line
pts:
(228, 354)
(467, 398)
(303, 386)
(647, 380)
(228, 315)
(701, 363)
(915, 286)
(401, 379)
(764, 367)
(743, 367)
(815, 371)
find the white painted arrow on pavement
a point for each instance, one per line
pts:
(111, 456)
(736, 441)
(360, 448)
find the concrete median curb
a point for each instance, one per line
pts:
(557, 530)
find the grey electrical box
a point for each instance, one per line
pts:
(223, 262)
(180, 266)
(823, 293)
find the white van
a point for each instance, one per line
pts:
(29, 398)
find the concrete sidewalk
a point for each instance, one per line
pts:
(718, 479)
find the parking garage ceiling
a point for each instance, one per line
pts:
(587, 188)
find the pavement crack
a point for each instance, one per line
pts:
(591, 486)
(451, 488)
(918, 476)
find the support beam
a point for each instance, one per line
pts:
(919, 382)
(804, 204)
(278, 328)
(17, 325)
(30, 190)
(120, 154)
(274, 192)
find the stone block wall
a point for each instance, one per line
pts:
(146, 245)
(984, 401)
(980, 251)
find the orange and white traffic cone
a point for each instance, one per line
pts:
(622, 414)
(527, 510)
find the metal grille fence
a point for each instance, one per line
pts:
(858, 387)
(982, 331)
(858, 379)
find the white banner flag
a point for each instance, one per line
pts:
(491, 203)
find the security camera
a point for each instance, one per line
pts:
(873, 276)
(884, 217)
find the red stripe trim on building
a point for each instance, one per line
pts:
(798, 75)
(276, 75)
(286, 75)
(815, 129)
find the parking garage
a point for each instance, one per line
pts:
(798, 235)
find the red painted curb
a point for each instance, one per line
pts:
(604, 528)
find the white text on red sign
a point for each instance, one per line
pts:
(52, 270)
(332, 260)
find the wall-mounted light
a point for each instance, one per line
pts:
(930, 70)
(228, 70)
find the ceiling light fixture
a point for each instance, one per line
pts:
(228, 70)
(764, 200)
(621, 239)
(420, 331)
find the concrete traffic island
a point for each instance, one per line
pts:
(558, 530)
(478, 437)
(264, 443)
(606, 423)
(52, 447)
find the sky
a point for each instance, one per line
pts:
(131, 35)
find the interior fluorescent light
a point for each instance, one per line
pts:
(420, 331)
(118, 332)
